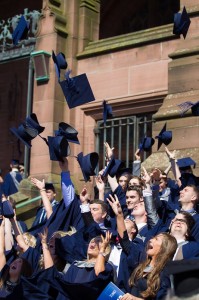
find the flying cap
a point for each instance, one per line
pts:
(68, 131)
(181, 23)
(20, 31)
(112, 168)
(185, 106)
(58, 147)
(186, 162)
(88, 164)
(107, 111)
(164, 137)
(146, 144)
(77, 90)
(60, 62)
(28, 130)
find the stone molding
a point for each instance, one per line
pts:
(130, 40)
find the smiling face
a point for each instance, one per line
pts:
(154, 246)
(132, 197)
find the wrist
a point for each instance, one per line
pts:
(42, 190)
(44, 245)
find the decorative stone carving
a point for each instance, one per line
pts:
(8, 26)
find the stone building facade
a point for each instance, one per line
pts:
(132, 60)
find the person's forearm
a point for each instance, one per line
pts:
(48, 261)
(9, 241)
(113, 183)
(68, 191)
(120, 224)
(46, 203)
(18, 235)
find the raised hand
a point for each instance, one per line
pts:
(43, 235)
(108, 151)
(99, 183)
(115, 204)
(105, 241)
(84, 196)
(171, 155)
(146, 177)
(137, 154)
(39, 184)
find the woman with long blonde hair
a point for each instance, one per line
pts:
(149, 280)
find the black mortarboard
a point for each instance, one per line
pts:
(20, 31)
(60, 62)
(88, 164)
(189, 179)
(77, 90)
(49, 186)
(164, 137)
(107, 111)
(124, 171)
(185, 106)
(185, 276)
(146, 144)
(186, 162)
(181, 23)
(112, 167)
(58, 147)
(68, 131)
(7, 209)
(28, 130)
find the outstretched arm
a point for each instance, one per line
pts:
(174, 166)
(46, 203)
(101, 258)
(18, 234)
(48, 261)
(68, 191)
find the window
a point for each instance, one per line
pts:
(120, 17)
(125, 135)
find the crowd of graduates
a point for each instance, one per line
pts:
(135, 235)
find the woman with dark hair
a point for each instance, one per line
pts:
(149, 280)
(10, 275)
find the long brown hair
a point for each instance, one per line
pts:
(26, 271)
(166, 253)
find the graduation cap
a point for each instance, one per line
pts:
(112, 167)
(28, 130)
(124, 171)
(68, 131)
(88, 164)
(186, 162)
(107, 111)
(60, 62)
(77, 90)
(7, 209)
(164, 137)
(146, 144)
(189, 179)
(185, 106)
(20, 31)
(58, 147)
(185, 277)
(181, 23)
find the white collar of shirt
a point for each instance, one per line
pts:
(140, 225)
